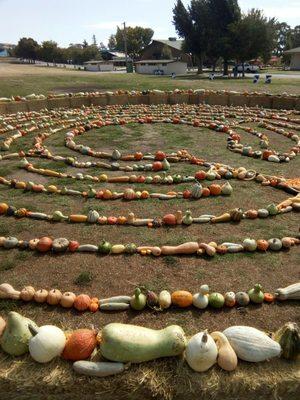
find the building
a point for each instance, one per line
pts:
(172, 47)
(4, 49)
(295, 58)
(96, 66)
(118, 57)
(160, 67)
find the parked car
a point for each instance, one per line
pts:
(248, 68)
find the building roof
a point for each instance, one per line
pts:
(158, 61)
(176, 44)
(98, 62)
(293, 51)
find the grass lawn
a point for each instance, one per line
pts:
(25, 79)
(106, 276)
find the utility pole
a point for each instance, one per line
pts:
(125, 46)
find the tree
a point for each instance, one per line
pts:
(27, 48)
(85, 44)
(48, 51)
(283, 32)
(191, 25)
(137, 39)
(254, 35)
(94, 40)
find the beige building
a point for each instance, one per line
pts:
(160, 67)
(295, 58)
(96, 66)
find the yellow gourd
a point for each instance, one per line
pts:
(227, 358)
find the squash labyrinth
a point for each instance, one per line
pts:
(153, 215)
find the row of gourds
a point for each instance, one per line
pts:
(121, 343)
(143, 298)
(233, 140)
(65, 246)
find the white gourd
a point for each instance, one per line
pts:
(291, 292)
(100, 369)
(164, 299)
(47, 343)
(201, 352)
(251, 345)
(200, 300)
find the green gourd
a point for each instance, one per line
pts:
(15, 339)
(138, 300)
(58, 216)
(288, 336)
(130, 343)
(256, 294)
(197, 191)
(187, 219)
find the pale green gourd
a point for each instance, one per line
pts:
(138, 300)
(130, 343)
(15, 339)
(187, 218)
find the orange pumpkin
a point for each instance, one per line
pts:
(138, 156)
(251, 214)
(200, 175)
(182, 298)
(82, 302)
(186, 194)
(262, 244)
(205, 192)
(157, 166)
(80, 345)
(215, 189)
(44, 244)
(93, 307)
(107, 194)
(269, 297)
(160, 156)
(3, 208)
(122, 220)
(145, 194)
(169, 219)
(112, 220)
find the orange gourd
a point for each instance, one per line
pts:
(93, 307)
(3, 208)
(160, 156)
(169, 219)
(80, 345)
(262, 244)
(182, 298)
(44, 244)
(269, 297)
(215, 189)
(205, 192)
(77, 218)
(157, 166)
(82, 302)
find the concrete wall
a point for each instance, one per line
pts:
(169, 68)
(295, 61)
(99, 67)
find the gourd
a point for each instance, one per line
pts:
(100, 369)
(82, 302)
(216, 300)
(230, 299)
(288, 336)
(54, 297)
(130, 343)
(242, 299)
(185, 248)
(236, 214)
(44, 244)
(46, 343)
(249, 244)
(250, 344)
(226, 217)
(291, 292)
(27, 293)
(226, 189)
(275, 244)
(138, 300)
(227, 358)
(201, 352)
(104, 247)
(169, 219)
(93, 216)
(60, 245)
(114, 306)
(116, 299)
(187, 218)
(200, 300)
(40, 296)
(182, 298)
(256, 295)
(8, 292)
(164, 299)
(80, 344)
(67, 299)
(16, 336)
(152, 299)
(10, 242)
(196, 191)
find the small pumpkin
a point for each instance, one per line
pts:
(82, 302)
(40, 296)
(169, 219)
(27, 293)
(44, 244)
(215, 189)
(54, 297)
(67, 299)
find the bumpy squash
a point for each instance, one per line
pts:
(130, 343)
(80, 345)
(250, 344)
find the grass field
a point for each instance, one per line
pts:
(106, 276)
(25, 79)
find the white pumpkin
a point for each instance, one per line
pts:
(252, 345)
(201, 352)
(47, 343)
(200, 300)
(250, 244)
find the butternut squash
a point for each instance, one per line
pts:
(185, 248)
(227, 358)
(78, 218)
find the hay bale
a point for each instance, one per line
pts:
(283, 103)
(37, 105)
(238, 100)
(3, 108)
(117, 99)
(78, 102)
(134, 99)
(159, 98)
(63, 102)
(260, 101)
(203, 98)
(179, 98)
(221, 99)
(193, 98)
(99, 101)
(16, 106)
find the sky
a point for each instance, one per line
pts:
(72, 21)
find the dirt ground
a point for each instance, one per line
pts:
(121, 274)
